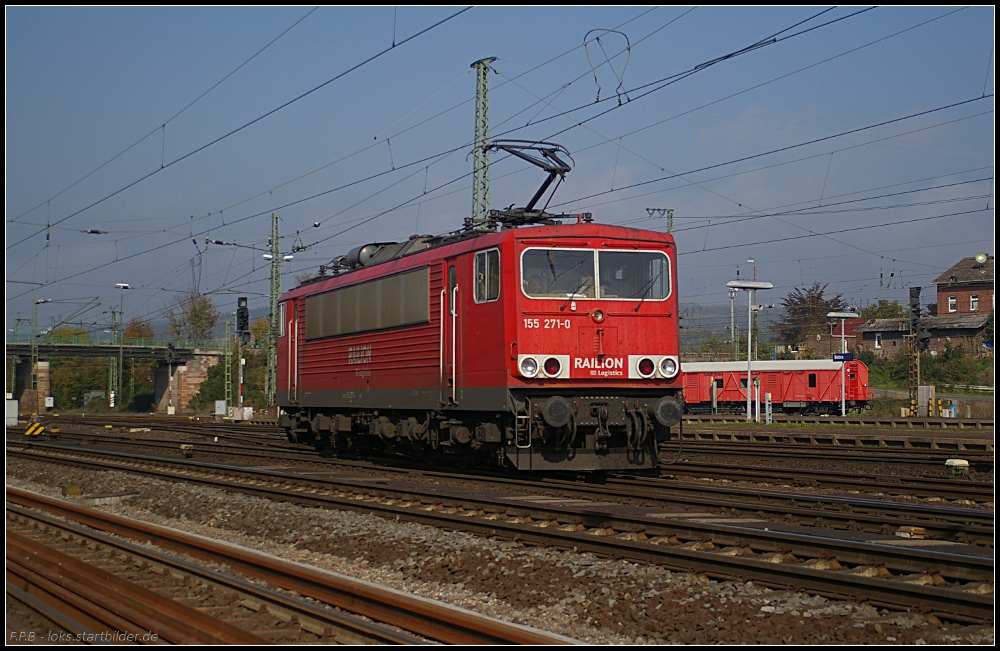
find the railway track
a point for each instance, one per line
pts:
(851, 513)
(952, 581)
(944, 488)
(954, 488)
(978, 461)
(853, 421)
(937, 488)
(103, 585)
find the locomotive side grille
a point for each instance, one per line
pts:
(388, 302)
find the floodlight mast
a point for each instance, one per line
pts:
(749, 285)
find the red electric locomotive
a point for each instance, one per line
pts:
(806, 387)
(530, 343)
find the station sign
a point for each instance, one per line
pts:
(843, 357)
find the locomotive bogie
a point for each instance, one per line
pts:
(541, 432)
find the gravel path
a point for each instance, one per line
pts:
(580, 595)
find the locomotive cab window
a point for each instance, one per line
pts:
(570, 273)
(557, 273)
(634, 275)
(487, 274)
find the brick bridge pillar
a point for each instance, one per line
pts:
(176, 386)
(31, 401)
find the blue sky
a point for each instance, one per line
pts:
(379, 150)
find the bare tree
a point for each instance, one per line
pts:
(192, 316)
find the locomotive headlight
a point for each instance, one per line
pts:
(646, 367)
(551, 366)
(597, 315)
(668, 367)
(529, 367)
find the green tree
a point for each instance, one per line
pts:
(192, 317)
(258, 333)
(137, 329)
(214, 386)
(883, 310)
(716, 344)
(805, 313)
(72, 377)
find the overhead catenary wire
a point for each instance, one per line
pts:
(162, 128)
(432, 190)
(253, 121)
(720, 58)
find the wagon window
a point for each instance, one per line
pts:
(812, 380)
(487, 272)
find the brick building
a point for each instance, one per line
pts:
(964, 305)
(966, 288)
(883, 336)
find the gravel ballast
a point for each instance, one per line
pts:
(579, 595)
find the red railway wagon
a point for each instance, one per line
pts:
(796, 386)
(494, 345)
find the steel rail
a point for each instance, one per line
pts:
(431, 619)
(344, 628)
(58, 620)
(113, 604)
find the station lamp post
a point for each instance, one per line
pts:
(843, 349)
(751, 286)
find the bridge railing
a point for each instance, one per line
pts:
(153, 342)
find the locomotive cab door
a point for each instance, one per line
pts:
(449, 329)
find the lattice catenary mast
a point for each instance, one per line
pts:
(481, 151)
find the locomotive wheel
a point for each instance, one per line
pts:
(321, 442)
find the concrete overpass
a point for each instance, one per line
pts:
(183, 366)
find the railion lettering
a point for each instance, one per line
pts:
(599, 363)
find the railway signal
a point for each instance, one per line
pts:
(243, 319)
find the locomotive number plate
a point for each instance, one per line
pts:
(547, 324)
